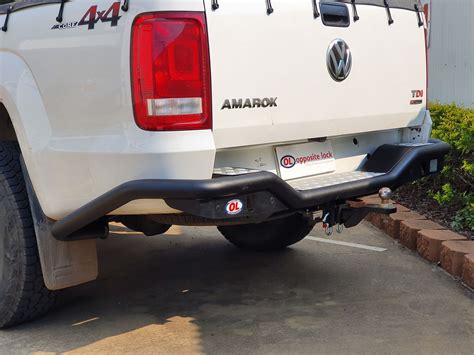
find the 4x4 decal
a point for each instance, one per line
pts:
(94, 16)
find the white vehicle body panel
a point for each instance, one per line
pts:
(68, 93)
(74, 115)
(284, 56)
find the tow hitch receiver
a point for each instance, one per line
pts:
(349, 216)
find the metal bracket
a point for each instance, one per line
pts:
(348, 217)
(351, 217)
(125, 5)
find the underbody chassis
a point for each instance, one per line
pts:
(261, 195)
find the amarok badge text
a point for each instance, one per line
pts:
(232, 104)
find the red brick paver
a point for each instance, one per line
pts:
(429, 242)
(391, 225)
(468, 270)
(452, 255)
(409, 231)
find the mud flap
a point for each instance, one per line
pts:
(64, 264)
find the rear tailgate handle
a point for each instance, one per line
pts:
(334, 14)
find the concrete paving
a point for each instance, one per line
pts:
(192, 292)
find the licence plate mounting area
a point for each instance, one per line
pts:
(305, 159)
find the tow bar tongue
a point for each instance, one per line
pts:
(348, 216)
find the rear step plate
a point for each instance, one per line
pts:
(307, 183)
(230, 171)
(320, 181)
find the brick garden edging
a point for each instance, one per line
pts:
(452, 251)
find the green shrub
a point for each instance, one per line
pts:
(454, 125)
(445, 196)
(454, 186)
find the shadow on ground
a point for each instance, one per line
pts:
(192, 292)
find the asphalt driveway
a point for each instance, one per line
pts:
(192, 292)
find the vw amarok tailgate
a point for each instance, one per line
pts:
(271, 77)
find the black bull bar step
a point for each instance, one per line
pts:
(264, 193)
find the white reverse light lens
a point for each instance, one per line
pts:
(175, 107)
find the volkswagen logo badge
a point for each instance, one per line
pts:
(339, 60)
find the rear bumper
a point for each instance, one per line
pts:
(262, 194)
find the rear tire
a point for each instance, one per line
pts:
(23, 294)
(267, 236)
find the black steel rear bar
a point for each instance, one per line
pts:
(400, 164)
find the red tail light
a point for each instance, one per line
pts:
(170, 72)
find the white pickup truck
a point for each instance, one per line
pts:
(261, 117)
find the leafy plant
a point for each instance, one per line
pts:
(454, 125)
(445, 196)
(454, 186)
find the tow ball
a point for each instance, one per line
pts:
(347, 216)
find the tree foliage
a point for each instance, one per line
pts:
(454, 186)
